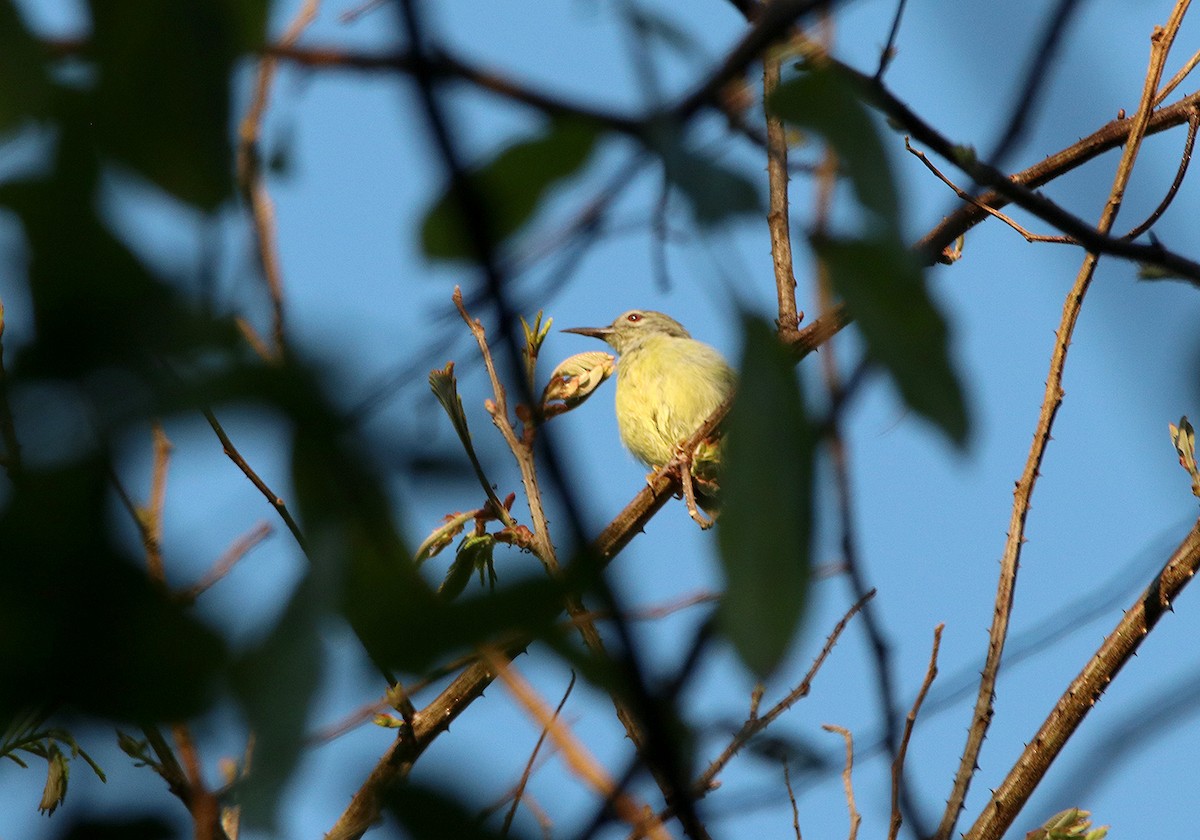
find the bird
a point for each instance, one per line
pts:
(668, 384)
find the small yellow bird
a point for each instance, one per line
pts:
(668, 384)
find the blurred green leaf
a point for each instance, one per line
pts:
(511, 186)
(429, 814)
(79, 625)
(715, 192)
(765, 528)
(905, 333)
(823, 102)
(94, 303)
(24, 85)
(276, 683)
(133, 828)
(162, 103)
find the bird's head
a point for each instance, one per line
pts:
(634, 328)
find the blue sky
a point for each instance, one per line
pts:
(1110, 505)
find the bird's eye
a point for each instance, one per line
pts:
(633, 317)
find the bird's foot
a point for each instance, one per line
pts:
(682, 462)
(689, 495)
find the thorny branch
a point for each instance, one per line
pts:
(1160, 46)
(254, 188)
(1081, 695)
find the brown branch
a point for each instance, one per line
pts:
(1086, 689)
(909, 722)
(787, 783)
(1113, 135)
(1177, 79)
(788, 322)
(153, 512)
(1180, 172)
(253, 185)
(755, 724)
(965, 196)
(275, 500)
(1052, 399)
(847, 776)
(528, 771)
(576, 756)
(227, 561)
(441, 64)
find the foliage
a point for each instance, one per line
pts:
(111, 342)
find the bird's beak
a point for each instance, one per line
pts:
(601, 333)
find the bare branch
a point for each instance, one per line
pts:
(1184, 160)
(253, 185)
(787, 783)
(909, 722)
(525, 774)
(965, 196)
(1052, 399)
(577, 757)
(1081, 695)
(788, 322)
(847, 777)
(755, 724)
(275, 500)
(227, 561)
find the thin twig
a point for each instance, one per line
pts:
(1180, 172)
(200, 803)
(153, 511)
(847, 776)
(787, 783)
(889, 49)
(909, 722)
(204, 806)
(577, 758)
(1081, 695)
(227, 561)
(1110, 136)
(966, 196)
(274, 499)
(1052, 399)
(1178, 78)
(525, 774)
(756, 724)
(250, 176)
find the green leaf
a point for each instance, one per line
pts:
(474, 555)
(714, 191)
(162, 103)
(276, 683)
(824, 103)
(95, 305)
(905, 333)
(429, 814)
(511, 186)
(80, 625)
(765, 528)
(24, 85)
